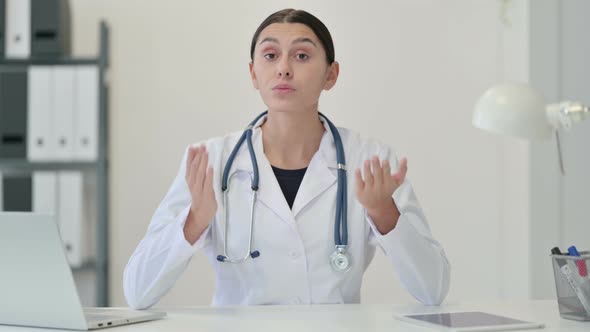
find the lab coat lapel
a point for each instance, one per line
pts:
(320, 174)
(269, 191)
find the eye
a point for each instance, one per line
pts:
(270, 56)
(302, 56)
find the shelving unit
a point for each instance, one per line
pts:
(100, 167)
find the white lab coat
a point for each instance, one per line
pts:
(295, 244)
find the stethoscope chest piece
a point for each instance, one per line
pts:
(340, 260)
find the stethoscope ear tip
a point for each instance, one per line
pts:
(221, 258)
(255, 254)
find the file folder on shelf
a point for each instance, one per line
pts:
(69, 195)
(86, 113)
(1, 192)
(2, 28)
(45, 193)
(63, 101)
(63, 119)
(70, 184)
(16, 192)
(13, 113)
(17, 29)
(50, 28)
(89, 215)
(41, 141)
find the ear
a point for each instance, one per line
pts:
(332, 75)
(253, 75)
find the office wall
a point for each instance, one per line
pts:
(575, 83)
(411, 72)
(544, 41)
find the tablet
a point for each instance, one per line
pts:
(468, 321)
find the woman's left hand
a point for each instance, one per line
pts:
(376, 190)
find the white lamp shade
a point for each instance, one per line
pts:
(513, 109)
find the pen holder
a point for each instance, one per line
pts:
(572, 282)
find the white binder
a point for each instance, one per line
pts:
(86, 114)
(1, 193)
(63, 101)
(41, 141)
(90, 215)
(45, 193)
(17, 29)
(70, 199)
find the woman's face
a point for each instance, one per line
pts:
(290, 69)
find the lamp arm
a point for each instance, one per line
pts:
(567, 113)
(564, 115)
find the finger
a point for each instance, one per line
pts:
(400, 176)
(404, 168)
(189, 159)
(360, 184)
(377, 171)
(195, 165)
(386, 170)
(368, 175)
(202, 170)
(209, 180)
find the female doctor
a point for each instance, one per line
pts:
(295, 219)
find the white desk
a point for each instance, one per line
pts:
(349, 317)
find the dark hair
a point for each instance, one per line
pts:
(298, 16)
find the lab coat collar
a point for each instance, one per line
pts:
(327, 146)
(320, 174)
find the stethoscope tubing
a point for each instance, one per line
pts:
(341, 221)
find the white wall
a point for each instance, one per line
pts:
(544, 41)
(410, 74)
(514, 167)
(575, 83)
(529, 222)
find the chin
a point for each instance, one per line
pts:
(286, 106)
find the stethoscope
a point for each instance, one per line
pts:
(340, 260)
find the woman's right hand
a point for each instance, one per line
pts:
(199, 178)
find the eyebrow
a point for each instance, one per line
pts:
(298, 40)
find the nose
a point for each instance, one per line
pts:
(284, 69)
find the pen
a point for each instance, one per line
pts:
(569, 276)
(556, 251)
(582, 268)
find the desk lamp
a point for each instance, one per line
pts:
(519, 110)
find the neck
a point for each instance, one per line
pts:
(291, 139)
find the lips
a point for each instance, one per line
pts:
(283, 87)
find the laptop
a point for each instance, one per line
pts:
(36, 283)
